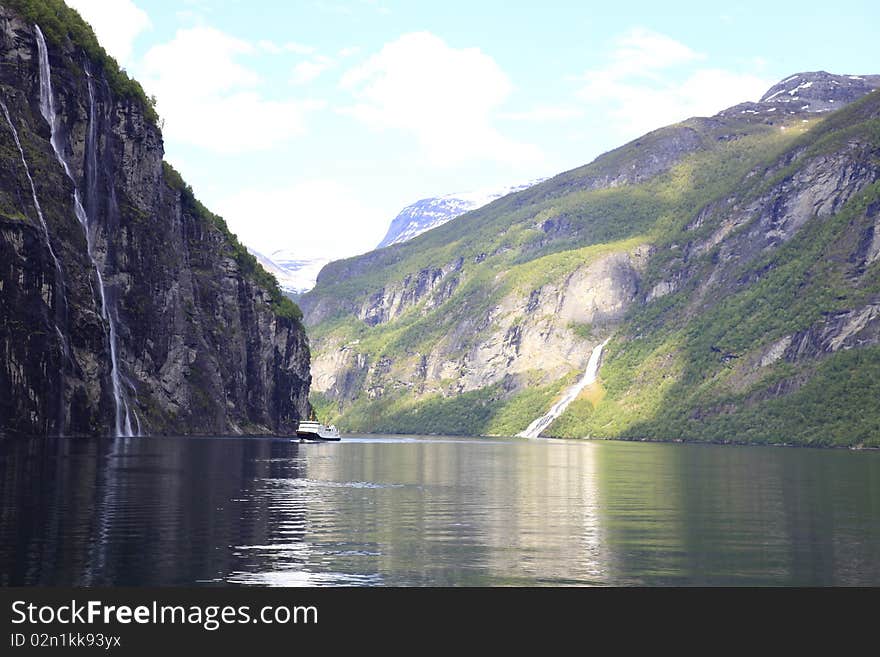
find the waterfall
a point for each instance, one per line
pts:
(47, 109)
(91, 180)
(33, 188)
(535, 428)
(59, 273)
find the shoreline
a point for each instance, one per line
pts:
(271, 436)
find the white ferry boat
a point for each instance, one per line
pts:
(314, 430)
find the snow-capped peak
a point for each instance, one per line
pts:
(428, 213)
(294, 273)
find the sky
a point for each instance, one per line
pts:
(308, 125)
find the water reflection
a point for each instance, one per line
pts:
(132, 511)
(408, 511)
(717, 515)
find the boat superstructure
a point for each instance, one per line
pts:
(314, 430)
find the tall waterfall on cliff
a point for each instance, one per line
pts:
(535, 428)
(59, 273)
(27, 171)
(47, 109)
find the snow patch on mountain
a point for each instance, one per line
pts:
(808, 93)
(428, 213)
(295, 274)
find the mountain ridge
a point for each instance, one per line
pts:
(434, 211)
(476, 326)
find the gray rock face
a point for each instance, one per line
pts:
(524, 335)
(389, 303)
(201, 350)
(807, 93)
(820, 187)
(844, 330)
(821, 91)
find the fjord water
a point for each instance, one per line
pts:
(434, 511)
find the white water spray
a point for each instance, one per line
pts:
(33, 188)
(59, 278)
(535, 428)
(47, 109)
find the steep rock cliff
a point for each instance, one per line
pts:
(190, 337)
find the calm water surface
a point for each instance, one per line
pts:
(434, 511)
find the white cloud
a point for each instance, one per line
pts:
(545, 113)
(318, 218)
(209, 99)
(759, 63)
(641, 50)
(309, 70)
(290, 46)
(652, 80)
(445, 97)
(352, 9)
(117, 23)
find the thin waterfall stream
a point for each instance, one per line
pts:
(59, 273)
(27, 171)
(535, 428)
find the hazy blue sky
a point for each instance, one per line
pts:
(309, 125)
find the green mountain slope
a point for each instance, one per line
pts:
(733, 260)
(772, 335)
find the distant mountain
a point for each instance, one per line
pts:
(810, 93)
(295, 274)
(431, 212)
(732, 262)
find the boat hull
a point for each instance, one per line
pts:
(311, 435)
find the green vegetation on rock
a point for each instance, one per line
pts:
(487, 411)
(282, 305)
(58, 22)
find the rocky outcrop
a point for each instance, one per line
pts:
(527, 334)
(819, 188)
(814, 92)
(434, 285)
(871, 239)
(769, 211)
(201, 343)
(843, 330)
